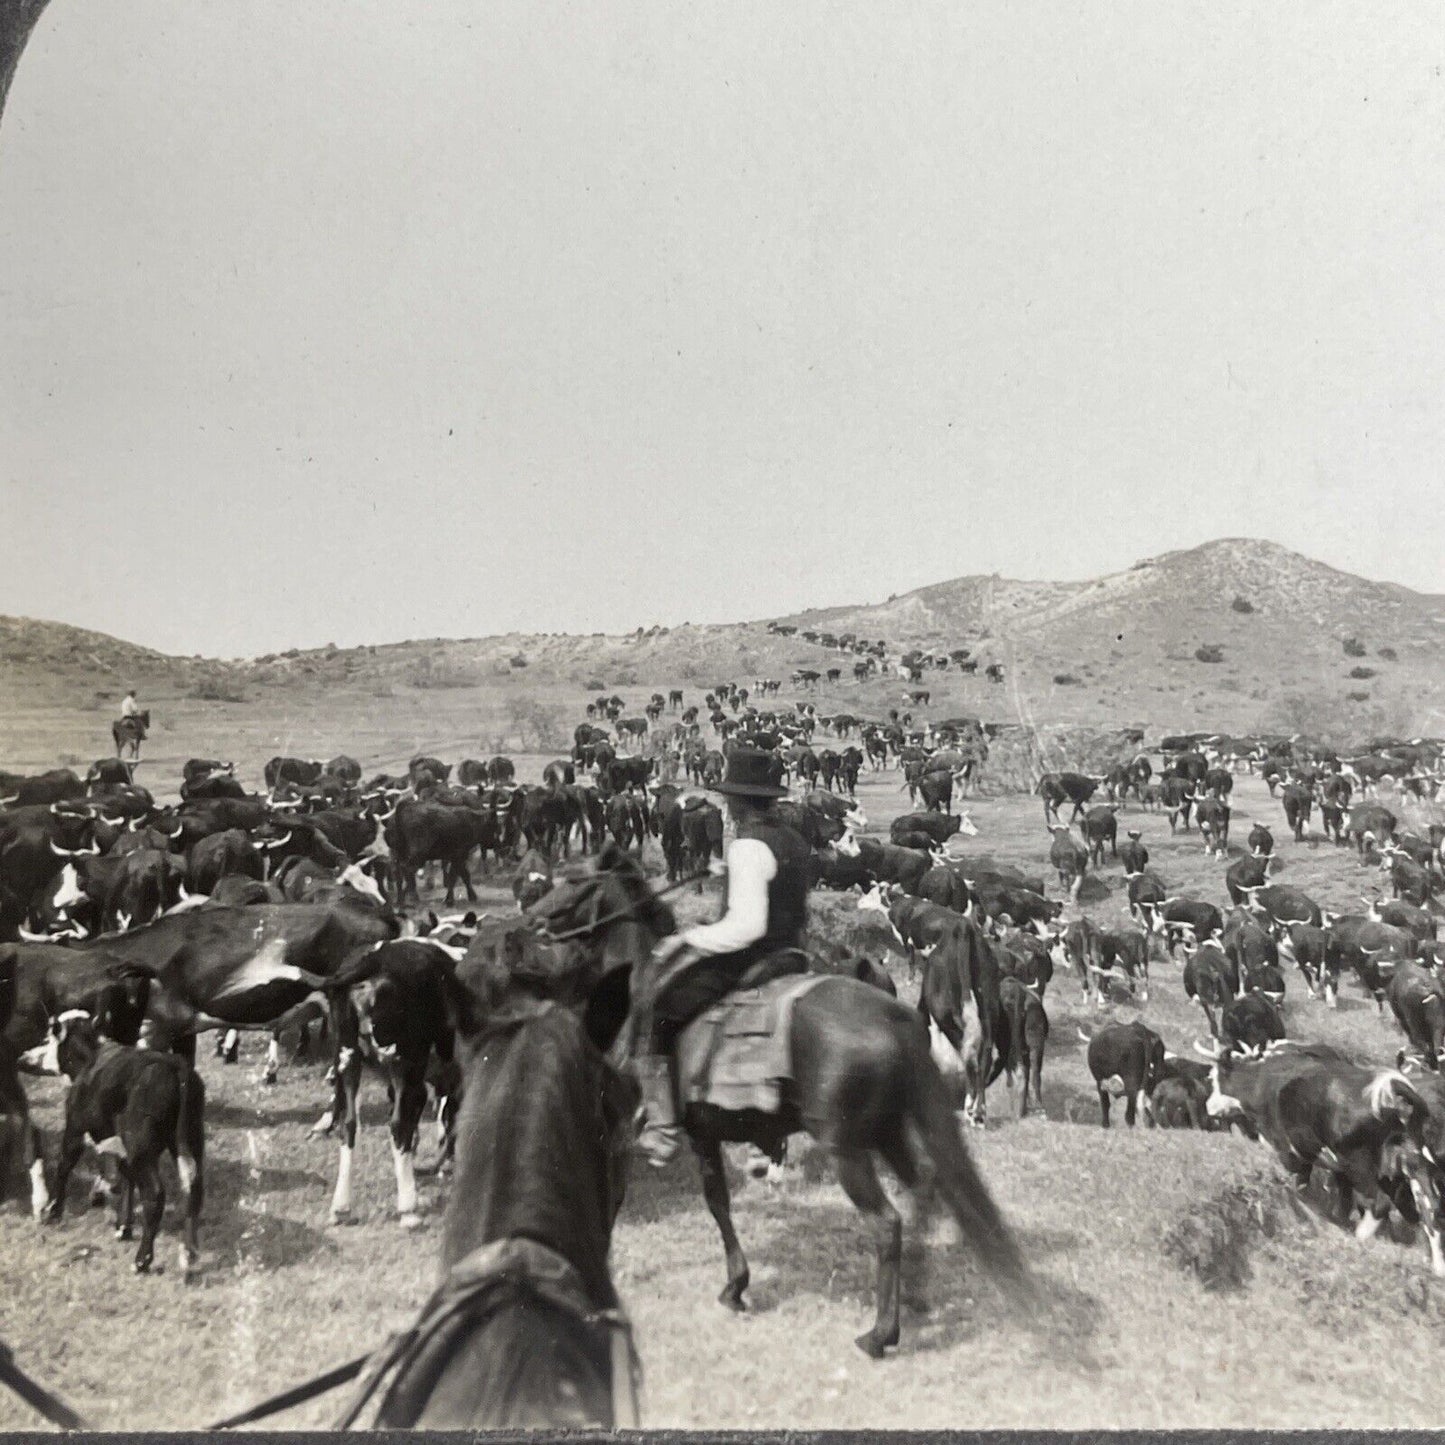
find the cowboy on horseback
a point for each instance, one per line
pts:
(765, 913)
(130, 728)
(129, 707)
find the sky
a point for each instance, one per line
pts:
(364, 320)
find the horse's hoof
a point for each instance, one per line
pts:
(870, 1345)
(732, 1299)
(143, 1266)
(125, 1232)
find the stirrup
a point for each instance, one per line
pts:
(659, 1143)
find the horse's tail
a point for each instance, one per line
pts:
(958, 1178)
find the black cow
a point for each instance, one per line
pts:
(107, 773)
(59, 785)
(938, 828)
(1213, 819)
(1177, 798)
(151, 1103)
(1021, 1035)
(1417, 999)
(1282, 905)
(1058, 788)
(1309, 1103)
(420, 767)
(960, 997)
(292, 770)
(1298, 801)
(425, 832)
(1133, 855)
(889, 863)
(1249, 1024)
(1306, 946)
(223, 855)
(1101, 825)
(1127, 1061)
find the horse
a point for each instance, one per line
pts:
(864, 1086)
(130, 732)
(526, 1330)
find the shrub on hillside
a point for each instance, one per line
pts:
(1242, 604)
(1361, 673)
(1388, 653)
(595, 685)
(1358, 696)
(1209, 652)
(1353, 647)
(517, 659)
(1065, 679)
(1213, 1240)
(212, 691)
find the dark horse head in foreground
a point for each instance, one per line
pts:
(864, 1085)
(525, 1331)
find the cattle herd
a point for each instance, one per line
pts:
(130, 925)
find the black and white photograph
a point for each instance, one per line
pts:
(721, 717)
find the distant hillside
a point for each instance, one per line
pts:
(1121, 649)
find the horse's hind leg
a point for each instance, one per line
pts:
(859, 1178)
(715, 1191)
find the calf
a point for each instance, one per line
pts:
(1211, 980)
(1250, 1023)
(389, 1013)
(1127, 1061)
(1261, 841)
(137, 1104)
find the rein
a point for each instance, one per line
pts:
(627, 912)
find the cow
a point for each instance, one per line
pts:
(935, 787)
(1133, 854)
(1058, 788)
(1373, 950)
(291, 770)
(1213, 819)
(1416, 997)
(107, 773)
(1211, 980)
(223, 855)
(936, 828)
(1370, 824)
(1068, 860)
(1127, 1061)
(1123, 954)
(137, 1104)
(59, 785)
(1020, 1037)
(960, 998)
(1219, 782)
(917, 925)
(1177, 798)
(1245, 877)
(1022, 906)
(1147, 897)
(1250, 1023)
(1306, 946)
(1261, 842)
(889, 863)
(1101, 825)
(1282, 905)
(1297, 801)
(1311, 1105)
(425, 832)
(1189, 920)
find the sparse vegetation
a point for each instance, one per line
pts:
(1361, 673)
(1388, 653)
(1353, 647)
(213, 690)
(1242, 603)
(1358, 696)
(1209, 652)
(517, 659)
(1213, 1239)
(1066, 679)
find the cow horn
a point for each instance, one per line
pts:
(111, 822)
(63, 852)
(27, 937)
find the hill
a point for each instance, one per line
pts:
(1120, 649)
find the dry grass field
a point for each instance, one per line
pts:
(1317, 1329)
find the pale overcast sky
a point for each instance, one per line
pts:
(366, 320)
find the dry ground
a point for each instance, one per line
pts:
(1325, 1331)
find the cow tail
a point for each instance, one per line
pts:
(957, 1177)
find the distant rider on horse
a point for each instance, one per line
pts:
(765, 913)
(129, 707)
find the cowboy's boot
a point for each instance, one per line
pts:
(661, 1135)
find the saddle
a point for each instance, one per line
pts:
(737, 1054)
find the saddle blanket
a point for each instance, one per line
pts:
(738, 1054)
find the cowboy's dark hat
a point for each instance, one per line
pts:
(752, 774)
